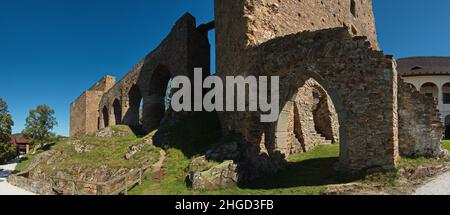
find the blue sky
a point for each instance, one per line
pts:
(52, 50)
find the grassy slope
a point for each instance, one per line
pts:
(106, 151)
(306, 174)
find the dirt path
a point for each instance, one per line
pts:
(5, 187)
(157, 170)
(438, 186)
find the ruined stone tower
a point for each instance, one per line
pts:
(84, 110)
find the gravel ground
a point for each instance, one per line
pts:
(5, 187)
(438, 186)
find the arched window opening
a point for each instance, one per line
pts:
(446, 93)
(430, 90)
(447, 127)
(134, 100)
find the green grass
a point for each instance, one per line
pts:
(446, 144)
(306, 174)
(24, 162)
(416, 162)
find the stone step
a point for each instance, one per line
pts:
(320, 138)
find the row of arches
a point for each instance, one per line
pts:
(142, 108)
(432, 90)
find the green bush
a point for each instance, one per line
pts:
(7, 152)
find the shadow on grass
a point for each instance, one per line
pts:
(193, 136)
(138, 131)
(313, 172)
(48, 146)
(23, 159)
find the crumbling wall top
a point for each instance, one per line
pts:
(246, 23)
(104, 84)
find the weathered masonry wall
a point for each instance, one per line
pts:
(257, 21)
(361, 81)
(306, 121)
(420, 128)
(85, 108)
(184, 49)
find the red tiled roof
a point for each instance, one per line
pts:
(416, 66)
(19, 139)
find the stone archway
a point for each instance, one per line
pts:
(307, 120)
(105, 114)
(132, 115)
(155, 101)
(117, 107)
(446, 94)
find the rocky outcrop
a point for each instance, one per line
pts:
(81, 147)
(116, 131)
(134, 149)
(218, 177)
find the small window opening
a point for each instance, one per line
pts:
(416, 68)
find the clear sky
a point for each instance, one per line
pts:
(53, 50)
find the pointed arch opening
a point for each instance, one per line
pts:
(132, 116)
(157, 101)
(308, 119)
(105, 114)
(117, 112)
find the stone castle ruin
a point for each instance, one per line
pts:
(336, 86)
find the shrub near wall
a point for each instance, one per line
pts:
(7, 152)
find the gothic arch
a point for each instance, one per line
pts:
(117, 107)
(105, 116)
(132, 115)
(155, 98)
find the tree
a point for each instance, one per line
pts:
(7, 151)
(6, 122)
(39, 124)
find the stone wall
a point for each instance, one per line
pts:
(34, 186)
(84, 112)
(184, 49)
(257, 21)
(420, 128)
(361, 81)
